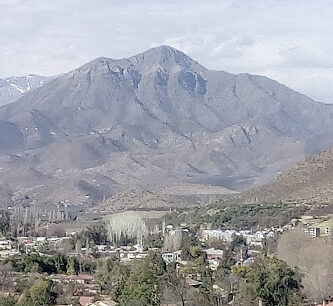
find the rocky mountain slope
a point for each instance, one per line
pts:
(162, 197)
(13, 88)
(308, 182)
(156, 118)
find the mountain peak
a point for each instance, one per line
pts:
(156, 117)
(165, 51)
(166, 56)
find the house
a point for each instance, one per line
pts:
(91, 289)
(259, 235)
(101, 247)
(5, 245)
(79, 279)
(8, 253)
(105, 302)
(169, 227)
(192, 282)
(312, 231)
(226, 235)
(86, 300)
(41, 239)
(131, 256)
(171, 256)
(30, 247)
(214, 254)
(326, 227)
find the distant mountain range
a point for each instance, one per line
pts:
(310, 182)
(13, 88)
(158, 117)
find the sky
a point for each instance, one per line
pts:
(290, 41)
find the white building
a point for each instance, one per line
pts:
(171, 256)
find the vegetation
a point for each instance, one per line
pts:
(300, 273)
(239, 217)
(41, 293)
(50, 264)
(143, 284)
(153, 241)
(7, 301)
(4, 222)
(270, 280)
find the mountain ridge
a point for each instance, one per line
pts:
(157, 117)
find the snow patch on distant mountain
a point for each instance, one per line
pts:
(13, 88)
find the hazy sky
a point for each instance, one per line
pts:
(288, 40)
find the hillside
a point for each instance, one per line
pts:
(158, 117)
(308, 182)
(162, 197)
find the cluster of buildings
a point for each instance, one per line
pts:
(125, 253)
(7, 248)
(252, 239)
(27, 245)
(89, 288)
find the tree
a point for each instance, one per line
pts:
(153, 241)
(4, 222)
(272, 281)
(173, 240)
(188, 242)
(206, 287)
(97, 234)
(237, 242)
(143, 285)
(41, 293)
(60, 262)
(226, 263)
(175, 287)
(126, 226)
(5, 271)
(72, 266)
(7, 302)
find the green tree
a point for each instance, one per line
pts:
(237, 242)
(72, 266)
(41, 293)
(177, 285)
(226, 263)
(4, 222)
(7, 302)
(60, 262)
(144, 282)
(272, 281)
(97, 234)
(206, 287)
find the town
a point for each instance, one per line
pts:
(87, 265)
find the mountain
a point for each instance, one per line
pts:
(13, 88)
(155, 118)
(308, 182)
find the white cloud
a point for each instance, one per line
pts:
(286, 40)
